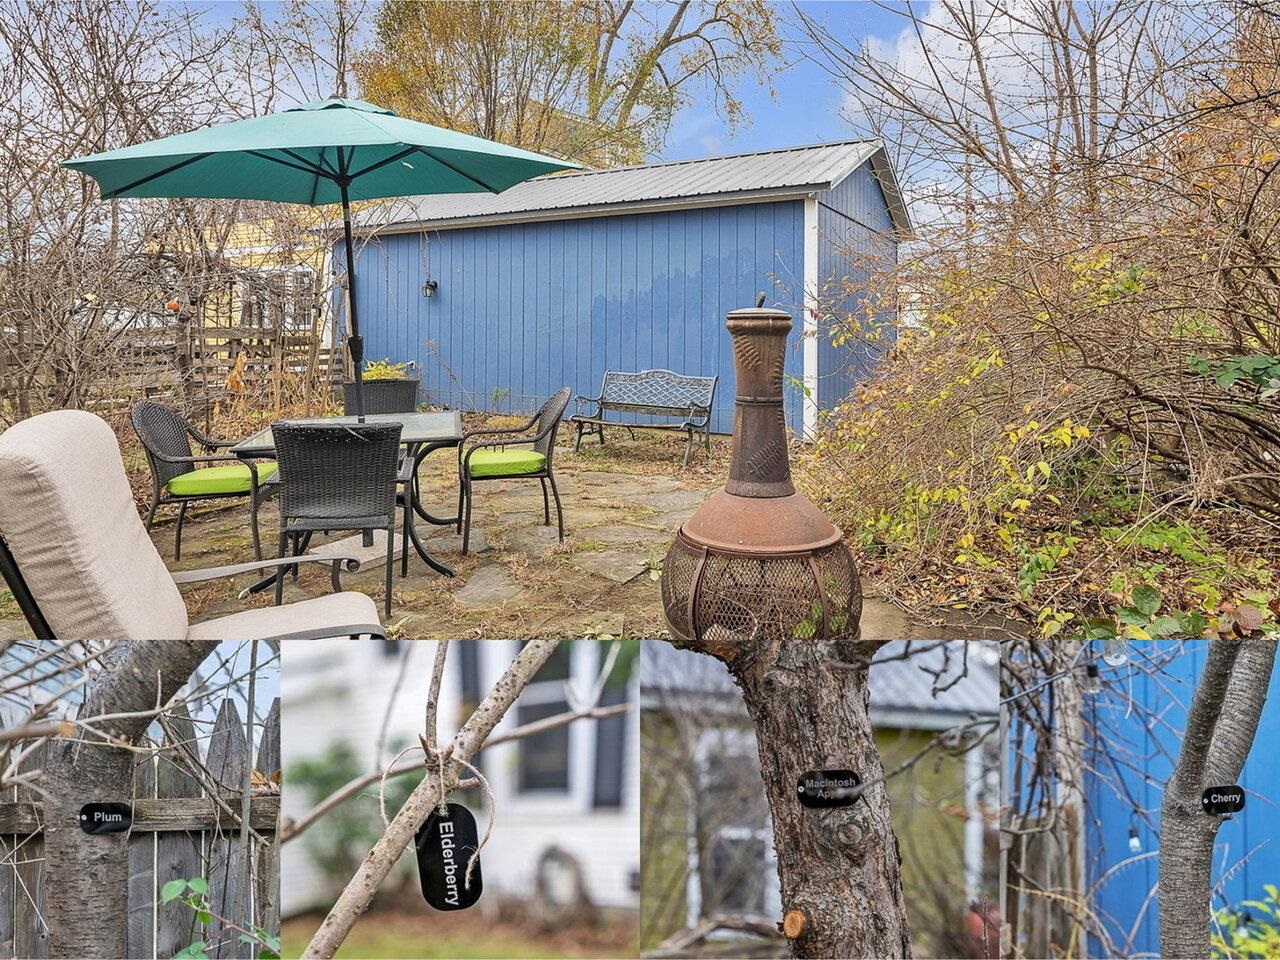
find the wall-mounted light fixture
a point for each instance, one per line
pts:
(429, 288)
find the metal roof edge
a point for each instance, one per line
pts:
(882, 170)
(656, 205)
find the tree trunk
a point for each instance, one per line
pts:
(840, 869)
(89, 875)
(1221, 726)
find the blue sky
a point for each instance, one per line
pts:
(807, 104)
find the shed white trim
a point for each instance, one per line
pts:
(809, 327)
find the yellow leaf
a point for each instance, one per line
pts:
(1043, 468)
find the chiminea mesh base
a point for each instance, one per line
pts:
(725, 597)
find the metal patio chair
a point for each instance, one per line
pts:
(383, 396)
(179, 477)
(497, 455)
(81, 566)
(336, 476)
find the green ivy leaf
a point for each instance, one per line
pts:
(199, 885)
(197, 951)
(1147, 599)
(172, 890)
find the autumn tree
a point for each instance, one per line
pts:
(596, 82)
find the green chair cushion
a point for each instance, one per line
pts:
(501, 463)
(232, 478)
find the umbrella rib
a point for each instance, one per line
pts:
(159, 173)
(285, 163)
(382, 163)
(461, 173)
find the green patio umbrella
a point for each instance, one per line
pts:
(332, 151)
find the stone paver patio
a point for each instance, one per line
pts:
(622, 502)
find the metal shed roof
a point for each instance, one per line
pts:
(740, 178)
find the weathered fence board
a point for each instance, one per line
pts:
(228, 757)
(179, 855)
(182, 828)
(7, 886)
(266, 894)
(140, 937)
(30, 935)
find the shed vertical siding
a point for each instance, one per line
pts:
(523, 309)
(853, 224)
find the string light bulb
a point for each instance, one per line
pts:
(1135, 841)
(1115, 650)
(1092, 679)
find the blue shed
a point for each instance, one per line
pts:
(1134, 731)
(559, 279)
(1129, 766)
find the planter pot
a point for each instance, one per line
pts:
(383, 396)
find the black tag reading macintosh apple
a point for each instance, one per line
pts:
(105, 817)
(445, 845)
(1219, 801)
(829, 788)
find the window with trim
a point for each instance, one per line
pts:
(544, 757)
(732, 832)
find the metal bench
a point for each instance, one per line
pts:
(657, 392)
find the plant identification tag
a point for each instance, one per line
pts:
(106, 817)
(829, 788)
(1220, 801)
(445, 844)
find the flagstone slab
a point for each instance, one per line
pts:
(620, 566)
(675, 500)
(619, 533)
(536, 541)
(488, 587)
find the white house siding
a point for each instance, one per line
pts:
(338, 690)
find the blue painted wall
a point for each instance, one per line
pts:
(523, 309)
(1133, 756)
(855, 237)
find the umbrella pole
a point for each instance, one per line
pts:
(355, 342)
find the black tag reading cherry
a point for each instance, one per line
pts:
(105, 817)
(1220, 801)
(829, 788)
(445, 844)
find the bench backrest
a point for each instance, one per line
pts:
(657, 391)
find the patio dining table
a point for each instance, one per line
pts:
(421, 434)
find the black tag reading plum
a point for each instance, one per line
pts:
(105, 817)
(829, 788)
(1220, 801)
(445, 844)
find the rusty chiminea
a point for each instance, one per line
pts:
(759, 561)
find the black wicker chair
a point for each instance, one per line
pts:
(490, 458)
(166, 438)
(338, 477)
(383, 396)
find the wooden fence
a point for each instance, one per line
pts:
(184, 826)
(247, 334)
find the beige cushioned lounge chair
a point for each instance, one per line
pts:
(82, 567)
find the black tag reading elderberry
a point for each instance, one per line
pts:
(829, 788)
(445, 844)
(1220, 801)
(105, 817)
